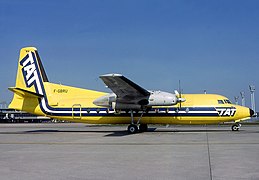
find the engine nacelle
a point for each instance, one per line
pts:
(160, 98)
(110, 101)
(156, 98)
(106, 100)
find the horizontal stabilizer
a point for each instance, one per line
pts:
(24, 93)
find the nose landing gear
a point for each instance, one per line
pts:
(236, 127)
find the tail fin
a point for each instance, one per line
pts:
(30, 77)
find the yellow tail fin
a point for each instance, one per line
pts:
(29, 80)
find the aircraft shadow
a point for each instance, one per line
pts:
(194, 130)
(110, 133)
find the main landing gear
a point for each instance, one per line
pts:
(236, 127)
(134, 128)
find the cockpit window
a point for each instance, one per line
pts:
(227, 101)
(220, 102)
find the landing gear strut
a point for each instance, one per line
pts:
(134, 128)
(236, 127)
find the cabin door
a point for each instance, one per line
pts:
(76, 111)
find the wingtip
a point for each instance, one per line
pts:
(111, 75)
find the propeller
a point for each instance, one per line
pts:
(179, 95)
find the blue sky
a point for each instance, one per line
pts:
(212, 45)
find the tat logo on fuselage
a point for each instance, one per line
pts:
(29, 70)
(229, 111)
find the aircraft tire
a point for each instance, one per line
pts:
(132, 128)
(235, 127)
(143, 127)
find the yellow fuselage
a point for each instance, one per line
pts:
(75, 104)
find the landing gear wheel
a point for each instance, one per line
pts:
(235, 127)
(132, 128)
(143, 127)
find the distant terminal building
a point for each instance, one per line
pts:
(14, 116)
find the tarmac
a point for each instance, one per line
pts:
(80, 151)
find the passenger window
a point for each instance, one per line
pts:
(220, 102)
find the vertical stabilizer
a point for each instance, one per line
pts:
(30, 78)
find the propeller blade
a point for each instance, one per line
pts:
(180, 95)
(176, 93)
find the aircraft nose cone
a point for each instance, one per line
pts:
(251, 112)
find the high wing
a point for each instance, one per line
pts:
(125, 89)
(127, 95)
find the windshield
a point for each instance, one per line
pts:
(225, 101)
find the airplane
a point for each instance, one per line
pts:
(128, 103)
